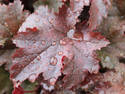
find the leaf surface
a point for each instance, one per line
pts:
(98, 11)
(11, 17)
(45, 40)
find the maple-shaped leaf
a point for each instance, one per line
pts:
(112, 57)
(63, 21)
(52, 4)
(116, 81)
(109, 82)
(49, 46)
(11, 17)
(41, 54)
(84, 60)
(76, 7)
(98, 11)
(114, 31)
(5, 58)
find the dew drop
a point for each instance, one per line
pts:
(86, 55)
(32, 77)
(60, 52)
(53, 43)
(69, 15)
(32, 62)
(51, 20)
(76, 17)
(53, 61)
(43, 42)
(38, 58)
(62, 42)
(78, 35)
(52, 81)
(37, 20)
(6, 24)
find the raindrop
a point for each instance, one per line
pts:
(51, 20)
(37, 20)
(43, 42)
(60, 52)
(86, 55)
(76, 17)
(6, 24)
(62, 42)
(69, 15)
(78, 35)
(53, 61)
(32, 77)
(38, 58)
(52, 81)
(53, 43)
(32, 62)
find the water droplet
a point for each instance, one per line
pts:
(43, 42)
(69, 15)
(51, 20)
(53, 61)
(121, 54)
(6, 24)
(32, 62)
(78, 35)
(53, 43)
(62, 42)
(86, 55)
(38, 58)
(52, 81)
(76, 17)
(32, 77)
(60, 52)
(37, 19)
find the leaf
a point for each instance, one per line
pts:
(52, 4)
(76, 7)
(62, 21)
(45, 56)
(29, 87)
(111, 55)
(108, 83)
(5, 58)
(44, 42)
(98, 11)
(116, 80)
(8, 26)
(6, 85)
(84, 60)
(23, 88)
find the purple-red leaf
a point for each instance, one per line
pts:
(49, 44)
(11, 17)
(98, 11)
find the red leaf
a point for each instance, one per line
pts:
(98, 11)
(43, 51)
(10, 23)
(5, 58)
